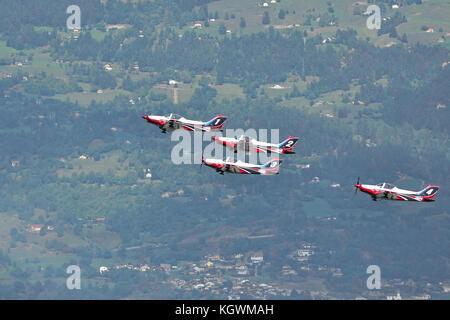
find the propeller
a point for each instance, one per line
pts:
(356, 188)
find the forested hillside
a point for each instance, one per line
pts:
(85, 181)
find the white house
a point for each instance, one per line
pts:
(103, 269)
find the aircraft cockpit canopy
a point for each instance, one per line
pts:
(246, 138)
(385, 185)
(173, 116)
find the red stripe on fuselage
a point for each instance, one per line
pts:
(366, 190)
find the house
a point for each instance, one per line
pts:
(107, 67)
(173, 82)
(304, 252)
(397, 297)
(36, 227)
(328, 115)
(257, 258)
(144, 268)
(103, 269)
(197, 25)
(370, 144)
(430, 30)
(424, 296)
(83, 157)
(315, 180)
(15, 163)
(335, 185)
(213, 257)
(305, 268)
(336, 272)
(395, 6)
(166, 267)
(99, 91)
(445, 286)
(277, 87)
(287, 270)
(242, 270)
(265, 4)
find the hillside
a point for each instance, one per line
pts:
(75, 154)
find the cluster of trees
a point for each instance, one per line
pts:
(389, 25)
(49, 86)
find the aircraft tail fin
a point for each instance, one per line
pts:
(288, 144)
(216, 122)
(273, 166)
(429, 192)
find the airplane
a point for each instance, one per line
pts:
(389, 192)
(247, 144)
(174, 121)
(270, 168)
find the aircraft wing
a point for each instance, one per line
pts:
(391, 195)
(406, 197)
(229, 142)
(265, 149)
(191, 125)
(239, 168)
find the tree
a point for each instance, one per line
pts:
(404, 38)
(222, 29)
(242, 23)
(281, 14)
(266, 18)
(393, 33)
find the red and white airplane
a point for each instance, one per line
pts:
(270, 168)
(247, 144)
(390, 192)
(174, 121)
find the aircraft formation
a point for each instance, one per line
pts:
(243, 143)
